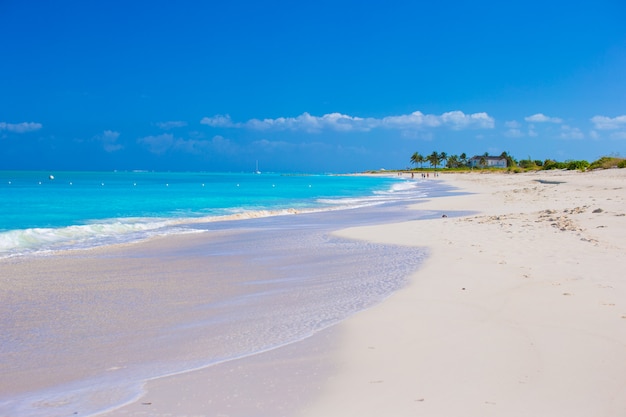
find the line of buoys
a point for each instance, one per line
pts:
(135, 184)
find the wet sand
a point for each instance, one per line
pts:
(83, 330)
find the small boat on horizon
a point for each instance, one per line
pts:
(257, 168)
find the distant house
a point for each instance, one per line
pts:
(490, 161)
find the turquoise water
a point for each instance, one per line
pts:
(43, 211)
(258, 278)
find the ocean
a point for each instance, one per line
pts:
(43, 211)
(227, 266)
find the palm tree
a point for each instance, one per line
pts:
(433, 158)
(483, 159)
(463, 158)
(453, 161)
(510, 162)
(418, 158)
(443, 157)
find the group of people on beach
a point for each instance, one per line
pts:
(424, 174)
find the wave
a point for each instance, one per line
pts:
(399, 191)
(115, 231)
(41, 240)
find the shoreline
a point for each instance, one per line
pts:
(519, 310)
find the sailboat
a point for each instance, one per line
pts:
(257, 168)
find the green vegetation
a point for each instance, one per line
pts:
(607, 162)
(550, 164)
(528, 164)
(487, 162)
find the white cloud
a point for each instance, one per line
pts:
(109, 140)
(408, 121)
(594, 135)
(306, 122)
(618, 135)
(608, 123)
(455, 120)
(20, 127)
(344, 123)
(171, 124)
(218, 121)
(542, 118)
(460, 120)
(513, 124)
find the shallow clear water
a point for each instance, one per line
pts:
(94, 326)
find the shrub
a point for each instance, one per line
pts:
(608, 162)
(526, 163)
(581, 165)
(550, 164)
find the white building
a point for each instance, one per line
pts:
(490, 161)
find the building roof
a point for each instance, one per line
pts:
(488, 158)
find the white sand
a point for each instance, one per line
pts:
(519, 311)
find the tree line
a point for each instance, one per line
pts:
(437, 159)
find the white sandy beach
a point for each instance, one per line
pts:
(520, 310)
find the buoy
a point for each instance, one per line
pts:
(51, 177)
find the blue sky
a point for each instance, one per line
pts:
(324, 86)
